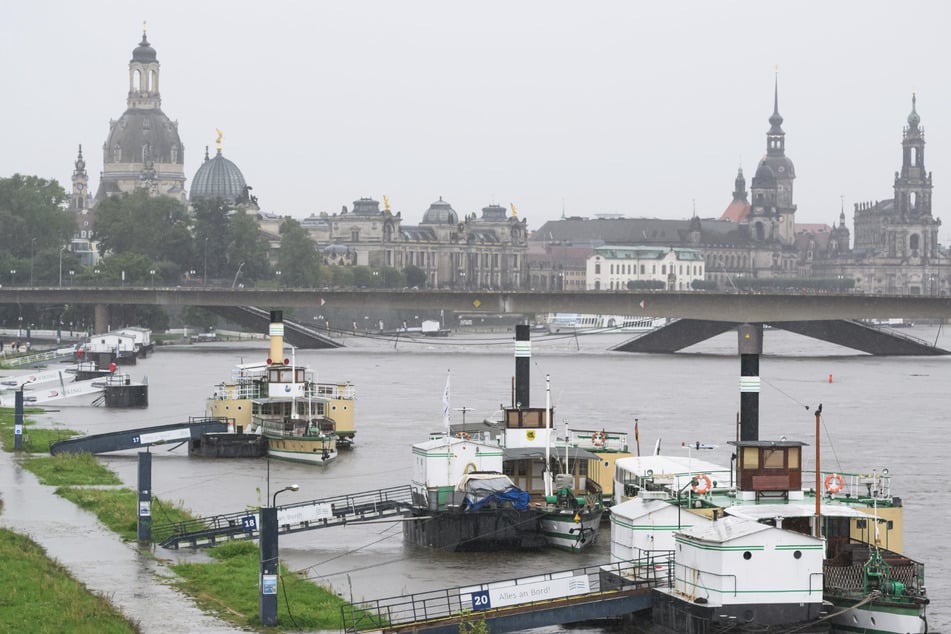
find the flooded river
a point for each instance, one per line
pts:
(877, 412)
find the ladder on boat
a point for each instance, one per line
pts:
(291, 518)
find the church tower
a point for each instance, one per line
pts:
(79, 201)
(772, 216)
(143, 149)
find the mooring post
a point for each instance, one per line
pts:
(18, 420)
(750, 348)
(267, 603)
(145, 497)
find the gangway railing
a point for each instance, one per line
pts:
(291, 518)
(440, 608)
(37, 357)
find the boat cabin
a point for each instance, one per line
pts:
(769, 469)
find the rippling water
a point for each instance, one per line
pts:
(877, 412)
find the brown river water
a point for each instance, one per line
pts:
(877, 412)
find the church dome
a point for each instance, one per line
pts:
(440, 213)
(144, 53)
(142, 135)
(218, 178)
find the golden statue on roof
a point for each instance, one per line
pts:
(386, 202)
(514, 212)
(218, 140)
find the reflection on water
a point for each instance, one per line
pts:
(877, 412)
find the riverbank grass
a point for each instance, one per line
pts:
(35, 439)
(39, 595)
(228, 586)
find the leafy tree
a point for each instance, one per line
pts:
(247, 244)
(33, 217)
(342, 276)
(211, 246)
(415, 276)
(298, 260)
(157, 228)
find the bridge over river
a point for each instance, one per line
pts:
(793, 311)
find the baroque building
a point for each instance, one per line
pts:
(472, 251)
(143, 148)
(896, 247)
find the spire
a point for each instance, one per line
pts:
(913, 118)
(206, 153)
(776, 119)
(739, 186)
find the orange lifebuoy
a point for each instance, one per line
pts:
(834, 483)
(597, 438)
(704, 484)
(463, 435)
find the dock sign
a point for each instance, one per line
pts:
(249, 523)
(498, 595)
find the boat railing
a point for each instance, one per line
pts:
(447, 606)
(331, 390)
(876, 485)
(848, 573)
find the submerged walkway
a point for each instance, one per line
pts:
(135, 582)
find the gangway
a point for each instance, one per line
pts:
(39, 357)
(142, 437)
(553, 598)
(55, 392)
(292, 518)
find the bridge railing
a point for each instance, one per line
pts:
(595, 582)
(290, 517)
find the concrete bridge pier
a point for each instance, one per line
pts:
(750, 348)
(101, 318)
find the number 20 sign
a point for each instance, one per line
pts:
(480, 600)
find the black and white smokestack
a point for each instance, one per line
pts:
(750, 347)
(523, 365)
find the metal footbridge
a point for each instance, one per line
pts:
(176, 433)
(553, 598)
(291, 518)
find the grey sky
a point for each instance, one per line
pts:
(639, 108)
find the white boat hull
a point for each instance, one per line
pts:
(562, 531)
(880, 619)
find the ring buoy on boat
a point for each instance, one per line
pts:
(597, 438)
(463, 435)
(470, 468)
(834, 483)
(704, 484)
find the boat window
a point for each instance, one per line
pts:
(750, 458)
(773, 458)
(793, 460)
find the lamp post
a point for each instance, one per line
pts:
(61, 265)
(71, 274)
(204, 275)
(13, 277)
(278, 274)
(693, 482)
(32, 249)
(96, 272)
(267, 587)
(152, 274)
(237, 273)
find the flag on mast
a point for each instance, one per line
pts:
(445, 404)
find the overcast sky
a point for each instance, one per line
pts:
(640, 108)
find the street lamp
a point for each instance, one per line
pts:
(32, 249)
(267, 587)
(292, 487)
(61, 265)
(237, 273)
(152, 274)
(71, 274)
(204, 275)
(278, 274)
(13, 273)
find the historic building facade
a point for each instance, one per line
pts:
(143, 149)
(625, 268)
(896, 248)
(474, 251)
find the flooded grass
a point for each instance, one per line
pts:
(70, 469)
(229, 587)
(39, 595)
(116, 508)
(34, 439)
